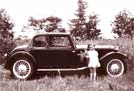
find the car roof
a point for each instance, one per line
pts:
(53, 33)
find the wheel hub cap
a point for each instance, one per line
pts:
(115, 68)
(22, 68)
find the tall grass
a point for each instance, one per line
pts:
(69, 83)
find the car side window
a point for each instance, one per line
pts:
(40, 41)
(58, 41)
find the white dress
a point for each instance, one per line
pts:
(93, 59)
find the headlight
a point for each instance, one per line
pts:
(5, 55)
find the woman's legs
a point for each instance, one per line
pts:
(91, 73)
(94, 74)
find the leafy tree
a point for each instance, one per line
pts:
(91, 27)
(52, 23)
(123, 24)
(78, 25)
(6, 34)
(49, 24)
(36, 24)
(81, 27)
(130, 30)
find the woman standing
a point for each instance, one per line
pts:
(93, 61)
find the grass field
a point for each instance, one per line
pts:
(75, 82)
(68, 83)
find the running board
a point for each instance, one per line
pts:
(82, 68)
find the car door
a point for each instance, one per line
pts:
(63, 57)
(62, 53)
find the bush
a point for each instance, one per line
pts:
(6, 35)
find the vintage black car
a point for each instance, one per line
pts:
(58, 52)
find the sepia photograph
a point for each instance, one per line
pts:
(66, 45)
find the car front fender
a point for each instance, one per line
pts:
(113, 54)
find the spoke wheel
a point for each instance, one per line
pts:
(115, 68)
(22, 69)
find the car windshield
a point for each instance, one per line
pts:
(75, 41)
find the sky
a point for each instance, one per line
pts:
(21, 10)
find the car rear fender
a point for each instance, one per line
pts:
(17, 55)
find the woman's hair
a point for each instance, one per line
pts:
(90, 46)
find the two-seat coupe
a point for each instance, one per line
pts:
(57, 52)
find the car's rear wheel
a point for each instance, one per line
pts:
(115, 67)
(22, 68)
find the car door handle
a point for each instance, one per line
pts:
(73, 51)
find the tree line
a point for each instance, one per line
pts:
(82, 26)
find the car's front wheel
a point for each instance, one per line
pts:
(22, 68)
(115, 67)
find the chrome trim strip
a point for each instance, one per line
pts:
(82, 68)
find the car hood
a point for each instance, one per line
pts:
(98, 47)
